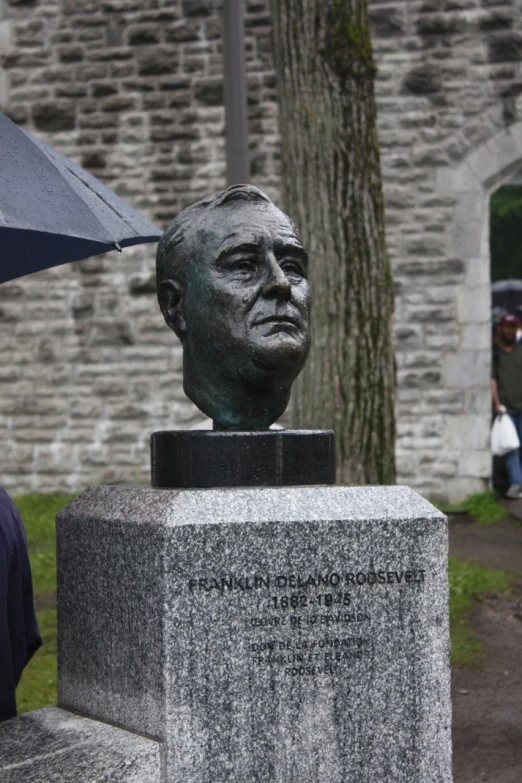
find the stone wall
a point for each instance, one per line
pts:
(448, 110)
(132, 90)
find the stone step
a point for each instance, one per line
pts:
(51, 744)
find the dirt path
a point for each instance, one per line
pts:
(487, 703)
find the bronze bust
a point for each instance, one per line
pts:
(232, 284)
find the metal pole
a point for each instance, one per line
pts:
(238, 163)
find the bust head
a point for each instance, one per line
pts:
(233, 285)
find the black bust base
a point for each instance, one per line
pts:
(260, 458)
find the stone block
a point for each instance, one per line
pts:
(496, 20)
(469, 431)
(515, 133)
(111, 54)
(419, 359)
(157, 61)
(473, 206)
(421, 444)
(276, 634)
(504, 48)
(4, 92)
(444, 267)
(478, 271)
(479, 401)
(441, 24)
(458, 488)
(467, 369)
(430, 314)
(55, 745)
(71, 91)
(422, 80)
(209, 92)
(119, 103)
(30, 33)
(476, 464)
(144, 283)
(387, 22)
(26, 58)
(5, 35)
(71, 53)
(425, 246)
(440, 468)
(143, 34)
(456, 180)
(505, 147)
(214, 32)
(441, 294)
(197, 7)
(419, 380)
(443, 342)
(111, 332)
(54, 115)
(476, 336)
(484, 164)
(181, 32)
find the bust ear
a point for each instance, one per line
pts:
(170, 297)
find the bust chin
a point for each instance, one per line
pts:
(240, 394)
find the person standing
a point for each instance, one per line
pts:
(506, 388)
(19, 635)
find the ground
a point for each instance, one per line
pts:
(487, 702)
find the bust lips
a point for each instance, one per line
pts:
(289, 339)
(280, 319)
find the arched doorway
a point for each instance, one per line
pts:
(505, 242)
(468, 368)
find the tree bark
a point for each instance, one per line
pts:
(332, 190)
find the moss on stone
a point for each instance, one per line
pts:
(348, 46)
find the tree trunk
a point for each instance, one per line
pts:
(332, 189)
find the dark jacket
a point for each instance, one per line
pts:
(19, 636)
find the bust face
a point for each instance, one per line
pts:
(241, 307)
(247, 298)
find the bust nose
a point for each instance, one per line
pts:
(278, 285)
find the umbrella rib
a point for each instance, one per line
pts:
(53, 152)
(49, 158)
(98, 195)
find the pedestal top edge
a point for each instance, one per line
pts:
(174, 507)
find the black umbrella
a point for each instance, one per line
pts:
(507, 294)
(53, 212)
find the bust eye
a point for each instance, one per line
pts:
(244, 266)
(293, 269)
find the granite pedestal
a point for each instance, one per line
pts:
(275, 635)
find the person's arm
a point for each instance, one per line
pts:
(499, 408)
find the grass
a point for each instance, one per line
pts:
(468, 581)
(482, 507)
(38, 684)
(37, 687)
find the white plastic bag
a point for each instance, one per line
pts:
(504, 437)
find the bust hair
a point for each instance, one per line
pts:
(171, 256)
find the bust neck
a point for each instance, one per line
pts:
(235, 406)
